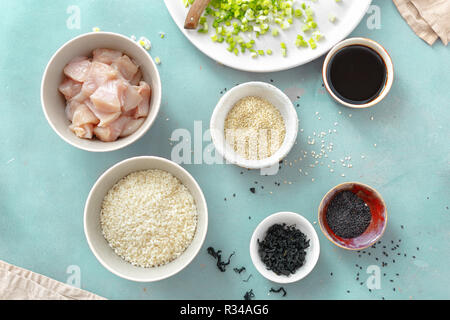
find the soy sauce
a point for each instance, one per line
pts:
(356, 74)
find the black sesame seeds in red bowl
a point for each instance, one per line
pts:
(353, 215)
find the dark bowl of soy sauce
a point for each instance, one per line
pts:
(358, 72)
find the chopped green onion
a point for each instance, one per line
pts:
(231, 19)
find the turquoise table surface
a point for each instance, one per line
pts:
(401, 147)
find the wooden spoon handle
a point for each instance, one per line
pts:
(195, 13)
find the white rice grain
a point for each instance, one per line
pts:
(149, 218)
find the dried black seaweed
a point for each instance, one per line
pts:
(283, 249)
(249, 295)
(280, 289)
(221, 265)
(246, 280)
(239, 270)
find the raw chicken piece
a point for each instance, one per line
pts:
(137, 78)
(71, 106)
(126, 67)
(69, 88)
(85, 131)
(98, 75)
(130, 97)
(130, 113)
(112, 131)
(83, 115)
(107, 98)
(107, 56)
(144, 106)
(105, 117)
(131, 126)
(78, 69)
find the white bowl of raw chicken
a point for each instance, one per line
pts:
(54, 102)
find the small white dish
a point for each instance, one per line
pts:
(377, 48)
(53, 102)
(301, 223)
(268, 92)
(93, 230)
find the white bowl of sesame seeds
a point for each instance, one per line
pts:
(145, 219)
(268, 120)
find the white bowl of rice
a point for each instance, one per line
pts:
(145, 219)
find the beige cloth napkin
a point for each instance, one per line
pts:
(20, 284)
(429, 19)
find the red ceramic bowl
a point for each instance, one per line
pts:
(376, 227)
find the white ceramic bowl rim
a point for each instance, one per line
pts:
(193, 254)
(374, 46)
(95, 145)
(305, 227)
(269, 92)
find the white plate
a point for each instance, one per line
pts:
(348, 15)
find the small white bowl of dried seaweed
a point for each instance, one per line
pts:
(284, 247)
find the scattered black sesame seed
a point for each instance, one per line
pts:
(252, 190)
